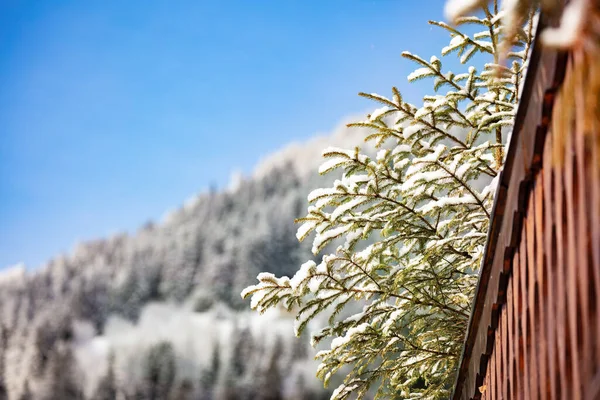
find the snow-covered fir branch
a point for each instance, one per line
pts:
(410, 223)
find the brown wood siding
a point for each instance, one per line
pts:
(534, 331)
(552, 302)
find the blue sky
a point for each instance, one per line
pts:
(112, 112)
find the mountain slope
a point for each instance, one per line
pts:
(158, 314)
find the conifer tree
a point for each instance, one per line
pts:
(63, 376)
(26, 395)
(107, 388)
(159, 371)
(210, 375)
(4, 332)
(271, 377)
(425, 201)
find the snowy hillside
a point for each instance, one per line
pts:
(158, 315)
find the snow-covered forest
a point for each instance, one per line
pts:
(157, 314)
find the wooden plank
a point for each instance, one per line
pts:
(511, 339)
(594, 223)
(550, 263)
(498, 349)
(594, 388)
(492, 374)
(560, 282)
(487, 385)
(571, 268)
(531, 314)
(516, 336)
(582, 235)
(505, 345)
(523, 314)
(541, 300)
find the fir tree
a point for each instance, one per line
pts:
(3, 348)
(243, 348)
(159, 371)
(270, 379)
(426, 200)
(63, 376)
(185, 391)
(26, 395)
(210, 375)
(107, 388)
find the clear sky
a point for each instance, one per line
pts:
(112, 112)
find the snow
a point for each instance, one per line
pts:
(304, 156)
(419, 73)
(304, 229)
(356, 317)
(422, 113)
(447, 201)
(16, 273)
(354, 331)
(491, 188)
(498, 17)
(256, 299)
(303, 273)
(410, 130)
(486, 44)
(330, 234)
(467, 55)
(457, 8)
(344, 208)
(456, 42)
(191, 202)
(379, 112)
(482, 34)
(352, 181)
(401, 148)
(332, 163)
(429, 176)
(236, 181)
(462, 170)
(320, 192)
(391, 320)
(571, 25)
(265, 279)
(433, 156)
(439, 102)
(342, 390)
(381, 154)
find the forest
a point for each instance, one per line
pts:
(158, 314)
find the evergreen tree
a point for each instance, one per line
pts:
(243, 348)
(269, 387)
(107, 388)
(425, 199)
(185, 391)
(63, 377)
(26, 394)
(159, 371)
(3, 349)
(210, 375)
